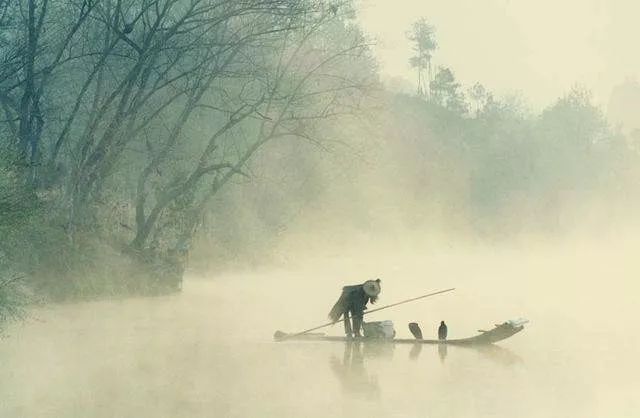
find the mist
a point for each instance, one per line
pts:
(503, 44)
(180, 179)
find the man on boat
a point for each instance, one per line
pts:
(353, 302)
(442, 331)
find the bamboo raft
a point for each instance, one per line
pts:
(498, 333)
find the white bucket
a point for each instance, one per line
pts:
(379, 329)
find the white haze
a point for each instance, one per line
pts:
(536, 48)
(208, 352)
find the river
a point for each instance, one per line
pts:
(208, 351)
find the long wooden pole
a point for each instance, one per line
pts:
(279, 335)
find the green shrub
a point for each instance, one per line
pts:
(13, 300)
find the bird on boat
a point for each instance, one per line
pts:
(442, 331)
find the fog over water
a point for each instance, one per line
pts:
(209, 351)
(247, 159)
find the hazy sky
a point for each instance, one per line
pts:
(537, 47)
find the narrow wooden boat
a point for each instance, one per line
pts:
(498, 333)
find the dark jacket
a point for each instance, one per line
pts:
(352, 300)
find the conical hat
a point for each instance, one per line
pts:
(371, 287)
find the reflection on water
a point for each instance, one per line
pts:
(499, 355)
(381, 351)
(494, 353)
(208, 352)
(442, 351)
(414, 354)
(352, 373)
(357, 379)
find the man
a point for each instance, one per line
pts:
(352, 302)
(442, 331)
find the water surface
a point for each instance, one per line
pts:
(208, 352)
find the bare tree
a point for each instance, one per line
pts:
(303, 86)
(32, 59)
(422, 35)
(159, 104)
(173, 58)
